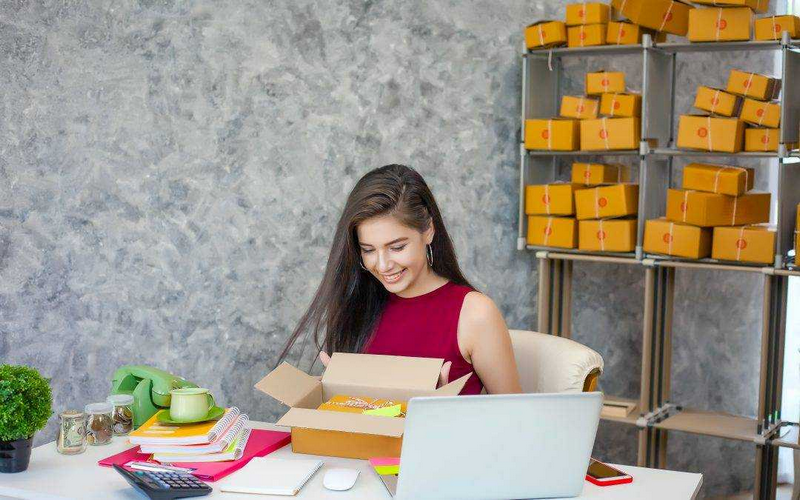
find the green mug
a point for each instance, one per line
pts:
(190, 403)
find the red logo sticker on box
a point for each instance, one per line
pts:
(741, 244)
(601, 235)
(684, 206)
(545, 199)
(548, 230)
(702, 132)
(721, 24)
(545, 134)
(603, 133)
(760, 112)
(667, 238)
(602, 202)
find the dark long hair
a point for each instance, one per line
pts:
(349, 300)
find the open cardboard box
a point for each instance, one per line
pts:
(353, 435)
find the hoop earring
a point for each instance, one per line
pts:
(429, 255)
(361, 263)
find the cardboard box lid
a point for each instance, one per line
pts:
(343, 422)
(291, 386)
(396, 377)
(390, 372)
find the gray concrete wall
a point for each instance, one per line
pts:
(171, 173)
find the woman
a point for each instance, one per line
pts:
(393, 286)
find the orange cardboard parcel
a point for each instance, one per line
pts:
(602, 202)
(661, 15)
(709, 209)
(744, 244)
(594, 174)
(613, 235)
(545, 34)
(770, 28)
(550, 199)
(556, 134)
(761, 139)
(546, 231)
(621, 105)
(579, 107)
(604, 134)
(586, 35)
(717, 102)
(720, 25)
(720, 179)
(350, 435)
(603, 82)
(761, 114)
(748, 84)
(620, 33)
(756, 5)
(710, 133)
(672, 238)
(587, 13)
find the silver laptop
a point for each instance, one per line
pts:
(496, 447)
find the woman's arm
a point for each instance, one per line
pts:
(484, 341)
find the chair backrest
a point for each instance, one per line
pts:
(547, 363)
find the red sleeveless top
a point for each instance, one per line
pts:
(425, 326)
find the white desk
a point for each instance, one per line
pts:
(52, 476)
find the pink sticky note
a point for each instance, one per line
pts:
(379, 461)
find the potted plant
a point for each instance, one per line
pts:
(25, 406)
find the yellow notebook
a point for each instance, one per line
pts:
(155, 432)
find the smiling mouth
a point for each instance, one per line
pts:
(393, 278)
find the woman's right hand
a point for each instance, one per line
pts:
(323, 356)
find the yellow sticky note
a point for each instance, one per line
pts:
(387, 470)
(386, 411)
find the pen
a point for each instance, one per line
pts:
(152, 467)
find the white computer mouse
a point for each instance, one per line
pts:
(340, 479)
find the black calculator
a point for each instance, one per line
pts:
(165, 485)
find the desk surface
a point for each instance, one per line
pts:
(52, 476)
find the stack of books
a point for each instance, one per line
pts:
(213, 441)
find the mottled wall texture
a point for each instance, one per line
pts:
(171, 173)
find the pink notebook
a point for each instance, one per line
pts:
(261, 443)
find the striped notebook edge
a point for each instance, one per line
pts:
(223, 423)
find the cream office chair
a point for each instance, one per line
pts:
(547, 363)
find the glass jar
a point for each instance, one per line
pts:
(99, 423)
(122, 415)
(71, 432)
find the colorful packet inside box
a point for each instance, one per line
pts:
(352, 404)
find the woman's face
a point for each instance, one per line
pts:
(395, 254)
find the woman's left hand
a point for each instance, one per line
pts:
(444, 375)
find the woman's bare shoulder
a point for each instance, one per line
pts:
(479, 311)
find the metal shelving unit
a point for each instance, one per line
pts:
(656, 415)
